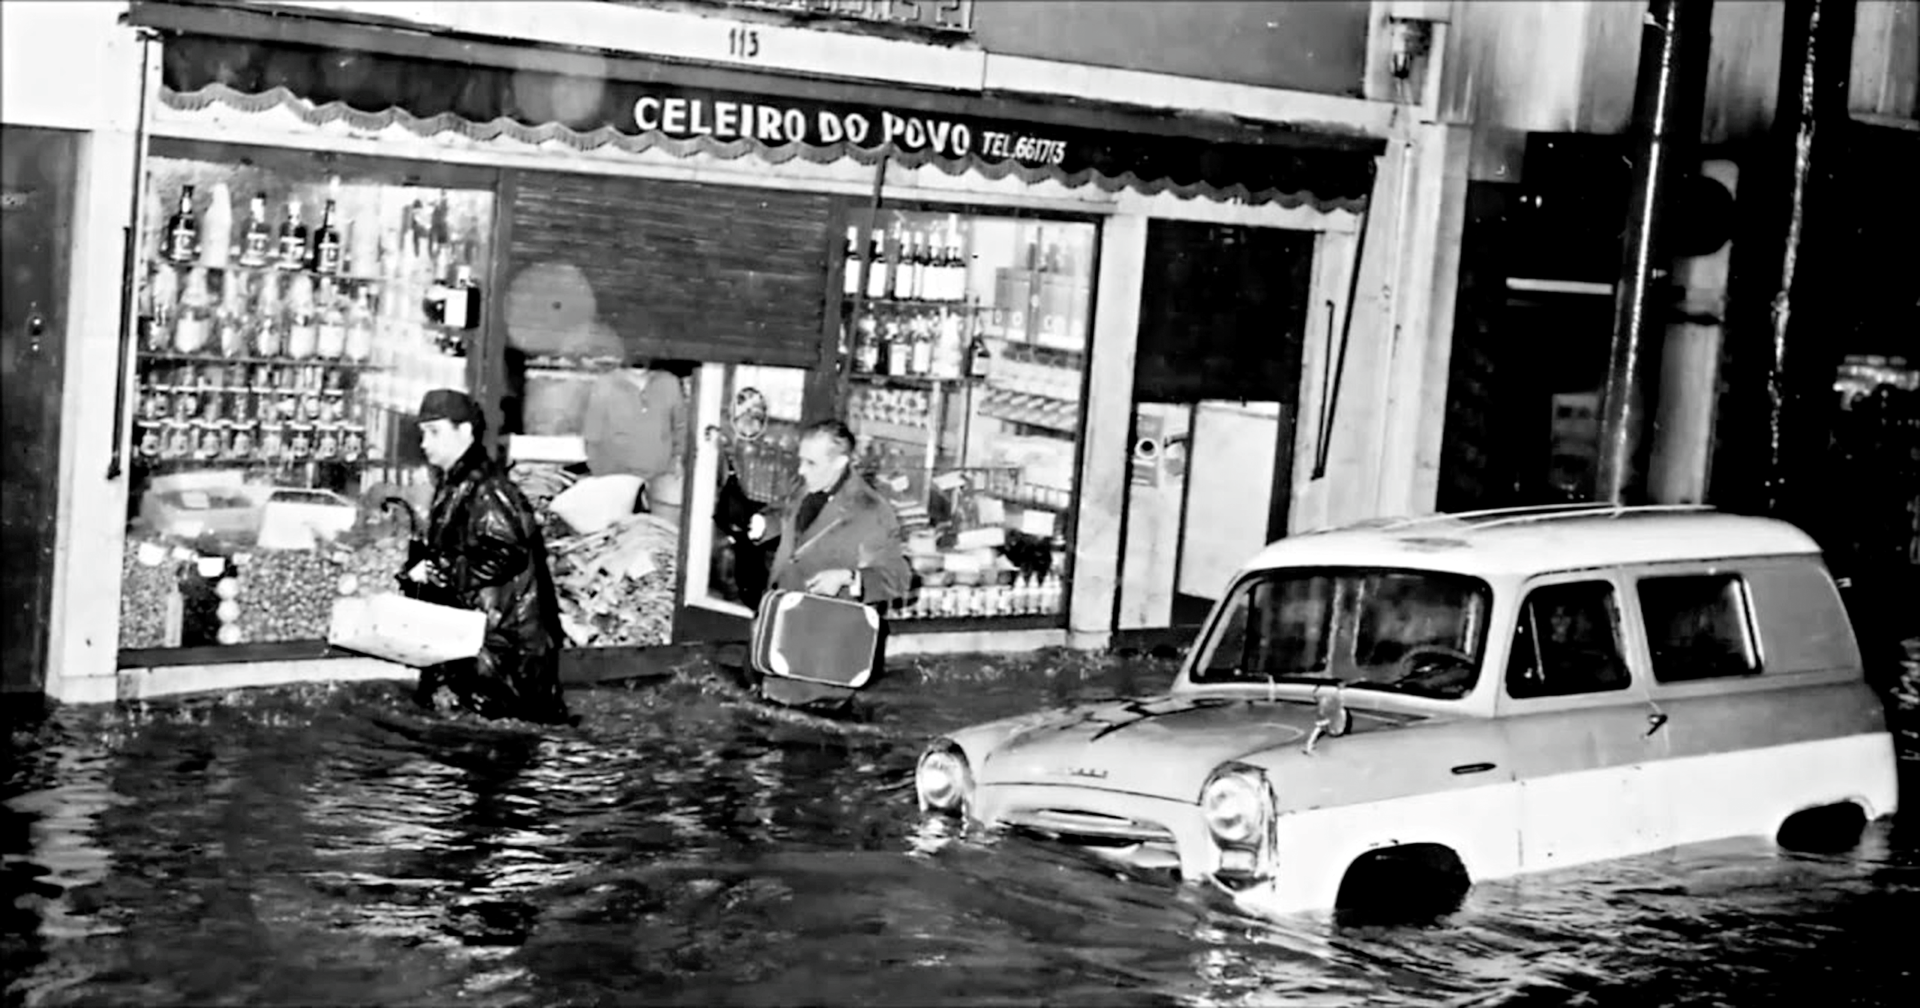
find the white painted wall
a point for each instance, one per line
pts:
(73, 66)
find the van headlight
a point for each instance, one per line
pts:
(943, 780)
(1237, 805)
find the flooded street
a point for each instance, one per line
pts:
(324, 846)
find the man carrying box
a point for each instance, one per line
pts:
(483, 551)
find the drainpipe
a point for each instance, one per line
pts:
(1782, 299)
(1668, 96)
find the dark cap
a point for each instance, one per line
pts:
(451, 405)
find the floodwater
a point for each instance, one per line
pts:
(323, 846)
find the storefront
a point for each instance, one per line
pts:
(651, 277)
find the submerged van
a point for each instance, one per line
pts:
(1410, 706)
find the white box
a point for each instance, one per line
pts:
(404, 630)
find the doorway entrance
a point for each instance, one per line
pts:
(1216, 395)
(36, 216)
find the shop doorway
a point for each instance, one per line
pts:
(35, 234)
(1223, 311)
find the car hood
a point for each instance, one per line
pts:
(1164, 747)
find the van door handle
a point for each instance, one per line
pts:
(1655, 722)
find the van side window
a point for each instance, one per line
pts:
(1698, 626)
(1567, 642)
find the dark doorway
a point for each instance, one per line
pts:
(1216, 392)
(36, 216)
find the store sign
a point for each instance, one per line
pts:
(935, 15)
(688, 115)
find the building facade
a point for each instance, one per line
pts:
(1103, 323)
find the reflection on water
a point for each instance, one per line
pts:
(325, 846)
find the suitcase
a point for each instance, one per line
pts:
(815, 638)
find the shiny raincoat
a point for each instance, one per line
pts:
(488, 554)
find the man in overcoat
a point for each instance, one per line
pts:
(484, 551)
(838, 537)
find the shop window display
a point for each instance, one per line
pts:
(966, 340)
(289, 320)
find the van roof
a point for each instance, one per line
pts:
(1525, 541)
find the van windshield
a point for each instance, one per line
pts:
(1416, 632)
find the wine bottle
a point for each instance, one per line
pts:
(877, 265)
(302, 334)
(359, 328)
(256, 242)
(326, 243)
(293, 238)
(230, 321)
(867, 345)
(182, 238)
(195, 322)
(330, 339)
(850, 281)
(266, 328)
(922, 346)
(165, 307)
(979, 358)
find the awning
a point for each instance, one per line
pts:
(373, 77)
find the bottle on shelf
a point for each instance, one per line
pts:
(359, 344)
(979, 358)
(302, 330)
(330, 338)
(216, 230)
(910, 284)
(327, 246)
(230, 320)
(194, 326)
(850, 278)
(949, 352)
(293, 238)
(266, 329)
(877, 265)
(867, 345)
(164, 306)
(256, 240)
(181, 241)
(922, 360)
(899, 348)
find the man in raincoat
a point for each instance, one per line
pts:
(838, 537)
(484, 551)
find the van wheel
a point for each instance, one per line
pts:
(1409, 884)
(1825, 829)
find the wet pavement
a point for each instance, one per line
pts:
(327, 846)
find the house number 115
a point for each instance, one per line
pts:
(743, 42)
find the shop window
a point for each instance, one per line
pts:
(1697, 627)
(1567, 643)
(291, 315)
(967, 343)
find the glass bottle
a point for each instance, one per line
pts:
(359, 328)
(330, 339)
(922, 362)
(195, 323)
(850, 281)
(182, 238)
(230, 322)
(867, 346)
(949, 351)
(164, 307)
(326, 243)
(265, 326)
(302, 334)
(979, 358)
(877, 265)
(293, 238)
(256, 241)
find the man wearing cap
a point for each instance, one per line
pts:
(484, 551)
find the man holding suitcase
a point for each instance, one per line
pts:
(838, 537)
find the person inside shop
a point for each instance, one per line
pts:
(838, 537)
(636, 425)
(484, 551)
